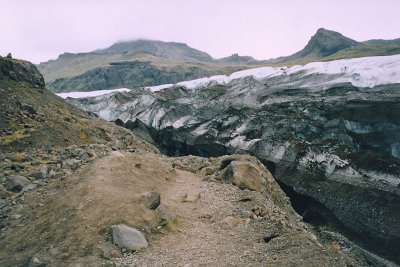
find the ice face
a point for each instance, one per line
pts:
(91, 93)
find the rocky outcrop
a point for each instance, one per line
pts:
(244, 175)
(20, 71)
(324, 43)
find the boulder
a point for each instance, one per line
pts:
(29, 109)
(128, 237)
(243, 174)
(35, 262)
(4, 193)
(151, 199)
(41, 173)
(164, 215)
(17, 182)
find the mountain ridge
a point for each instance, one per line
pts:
(74, 72)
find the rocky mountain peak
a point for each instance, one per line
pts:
(326, 42)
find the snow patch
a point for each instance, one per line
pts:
(181, 122)
(239, 142)
(92, 93)
(159, 87)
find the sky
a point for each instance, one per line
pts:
(40, 30)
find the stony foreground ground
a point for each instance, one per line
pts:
(66, 222)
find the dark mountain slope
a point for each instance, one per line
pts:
(33, 117)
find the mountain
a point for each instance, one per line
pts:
(129, 64)
(328, 45)
(141, 63)
(235, 59)
(324, 43)
(178, 52)
(328, 131)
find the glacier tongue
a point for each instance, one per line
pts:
(366, 72)
(361, 72)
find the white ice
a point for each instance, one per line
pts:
(159, 87)
(361, 72)
(92, 93)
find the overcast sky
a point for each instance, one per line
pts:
(39, 30)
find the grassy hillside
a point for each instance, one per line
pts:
(365, 50)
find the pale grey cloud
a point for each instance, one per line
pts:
(42, 29)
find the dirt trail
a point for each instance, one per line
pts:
(214, 229)
(66, 223)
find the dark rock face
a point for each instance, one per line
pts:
(126, 74)
(339, 147)
(20, 71)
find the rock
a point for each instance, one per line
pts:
(29, 187)
(111, 253)
(29, 109)
(119, 122)
(41, 173)
(245, 175)
(209, 171)
(83, 156)
(151, 199)
(191, 197)
(230, 222)
(128, 238)
(164, 215)
(177, 165)
(16, 216)
(16, 166)
(117, 154)
(71, 164)
(245, 214)
(35, 162)
(51, 174)
(17, 182)
(4, 193)
(35, 262)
